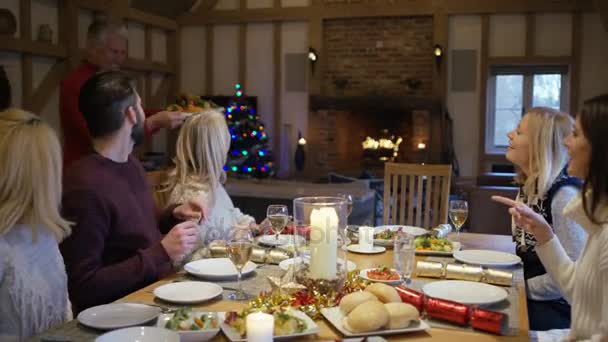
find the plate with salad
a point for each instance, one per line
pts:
(191, 325)
(431, 245)
(288, 323)
(385, 235)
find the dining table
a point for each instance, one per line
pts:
(327, 332)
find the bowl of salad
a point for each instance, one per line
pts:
(427, 244)
(191, 325)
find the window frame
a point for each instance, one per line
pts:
(528, 72)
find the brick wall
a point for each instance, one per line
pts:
(375, 55)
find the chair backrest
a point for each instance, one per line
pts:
(156, 180)
(416, 194)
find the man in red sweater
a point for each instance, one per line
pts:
(106, 49)
(116, 246)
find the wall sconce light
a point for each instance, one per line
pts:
(421, 146)
(438, 53)
(300, 157)
(313, 56)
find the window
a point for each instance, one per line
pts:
(514, 89)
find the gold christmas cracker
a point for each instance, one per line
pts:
(429, 269)
(258, 254)
(463, 272)
(498, 277)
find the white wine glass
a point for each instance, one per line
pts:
(239, 245)
(278, 215)
(458, 211)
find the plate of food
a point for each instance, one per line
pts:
(217, 268)
(430, 245)
(283, 240)
(376, 311)
(381, 274)
(191, 325)
(288, 323)
(385, 235)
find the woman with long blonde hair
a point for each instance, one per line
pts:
(33, 281)
(202, 151)
(536, 148)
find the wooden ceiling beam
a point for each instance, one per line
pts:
(602, 8)
(33, 47)
(151, 19)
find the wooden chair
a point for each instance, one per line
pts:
(427, 188)
(156, 180)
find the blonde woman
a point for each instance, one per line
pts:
(33, 281)
(536, 148)
(202, 149)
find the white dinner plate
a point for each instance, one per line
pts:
(465, 292)
(190, 335)
(233, 334)
(358, 249)
(139, 334)
(336, 317)
(455, 247)
(284, 265)
(117, 315)
(363, 275)
(188, 292)
(217, 268)
(487, 258)
(411, 230)
(284, 240)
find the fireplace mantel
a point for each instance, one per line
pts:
(370, 103)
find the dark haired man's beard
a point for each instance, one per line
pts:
(138, 132)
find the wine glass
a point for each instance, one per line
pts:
(277, 214)
(239, 245)
(458, 210)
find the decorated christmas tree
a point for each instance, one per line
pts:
(249, 153)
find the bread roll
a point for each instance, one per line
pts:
(367, 316)
(350, 301)
(386, 293)
(401, 315)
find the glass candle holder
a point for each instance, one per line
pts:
(322, 222)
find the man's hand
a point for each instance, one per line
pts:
(181, 240)
(193, 210)
(527, 219)
(166, 119)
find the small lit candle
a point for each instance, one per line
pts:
(366, 238)
(260, 327)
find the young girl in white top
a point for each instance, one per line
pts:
(202, 149)
(33, 282)
(584, 282)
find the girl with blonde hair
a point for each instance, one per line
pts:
(33, 281)
(536, 148)
(202, 150)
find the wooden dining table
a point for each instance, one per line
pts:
(502, 243)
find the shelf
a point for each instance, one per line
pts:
(32, 47)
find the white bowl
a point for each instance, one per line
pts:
(189, 335)
(139, 334)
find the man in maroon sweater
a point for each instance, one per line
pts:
(116, 246)
(106, 49)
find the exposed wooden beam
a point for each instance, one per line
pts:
(209, 60)
(557, 60)
(440, 36)
(68, 36)
(151, 19)
(602, 8)
(245, 16)
(33, 47)
(278, 86)
(483, 89)
(48, 85)
(147, 65)
(530, 34)
(515, 6)
(575, 65)
(25, 23)
(95, 5)
(173, 45)
(315, 39)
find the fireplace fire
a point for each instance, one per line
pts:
(383, 149)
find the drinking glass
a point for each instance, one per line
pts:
(278, 215)
(404, 255)
(239, 245)
(458, 211)
(349, 210)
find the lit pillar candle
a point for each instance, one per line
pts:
(260, 327)
(366, 238)
(323, 243)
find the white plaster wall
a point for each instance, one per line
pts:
(294, 105)
(594, 58)
(85, 18)
(227, 5)
(193, 59)
(13, 6)
(553, 34)
(40, 67)
(465, 33)
(137, 39)
(45, 12)
(295, 3)
(12, 65)
(225, 59)
(260, 3)
(260, 72)
(507, 35)
(50, 112)
(159, 45)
